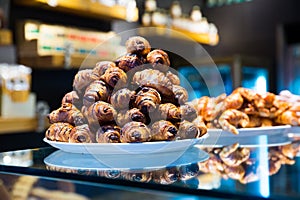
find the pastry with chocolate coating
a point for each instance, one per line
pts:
(108, 134)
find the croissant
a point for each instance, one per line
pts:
(133, 114)
(100, 113)
(181, 95)
(153, 78)
(165, 176)
(200, 124)
(231, 119)
(82, 79)
(121, 98)
(114, 76)
(173, 78)
(108, 134)
(101, 68)
(66, 113)
(81, 134)
(288, 117)
(59, 131)
(96, 91)
(129, 61)
(188, 112)
(188, 130)
(147, 99)
(159, 60)
(138, 45)
(135, 132)
(169, 111)
(143, 177)
(73, 98)
(163, 130)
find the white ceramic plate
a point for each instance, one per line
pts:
(252, 137)
(128, 162)
(125, 148)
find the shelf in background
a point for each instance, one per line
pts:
(83, 8)
(17, 125)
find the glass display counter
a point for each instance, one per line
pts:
(236, 171)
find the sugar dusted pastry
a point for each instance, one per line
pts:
(159, 60)
(96, 91)
(67, 113)
(81, 134)
(108, 134)
(138, 45)
(163, 130)
(82, 79)
(121, 98)
(135, 132)
(129, 62)
(100, 112)
(59, 131)
(101, 68)
(147, 99)
(114, 76)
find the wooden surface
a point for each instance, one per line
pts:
(15, 125)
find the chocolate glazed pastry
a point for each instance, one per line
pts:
(67, 113)
(147, 99)
(73, 98)
(163, 130)
(188, 130)
(169, 111)
(108, 134)
(135, 132)
(82, 79)
(188, 112)
(96, 91)
(129, 62)
(121, 98)
(81, 134)
(100, 113)
(159, 60)
(133, 114)
(138, 45)
(59, 131)
(155, 79)
(101, 68)
(181, 95)
(114, 76)
(143, 177)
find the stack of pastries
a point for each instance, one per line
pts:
(135, 98)
(245, 108)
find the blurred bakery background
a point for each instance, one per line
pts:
(43, 43)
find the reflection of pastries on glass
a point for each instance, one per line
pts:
(187, 172)
(108, 134)
(59, 131)
(163, 130)
(233, 155)
(173, 78)
(113, 174)
(114, 76)
(101, 68)
(147, 99)
(187, 130)
(165, 176)
(181, 95)
(138, 45)
(235, 172)
(159, 60)
(67, 113)
(96, 91)
(133, 114)
(135, 132)
(81, 134)
(129, 62)
(121, 98)
(143, 177)
(73, 98)
(100, 112)
(82, 79)
(169, 111)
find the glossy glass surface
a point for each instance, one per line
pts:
(232, 171)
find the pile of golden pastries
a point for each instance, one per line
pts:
(245, 108)
(136, 98)
(242, 164)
